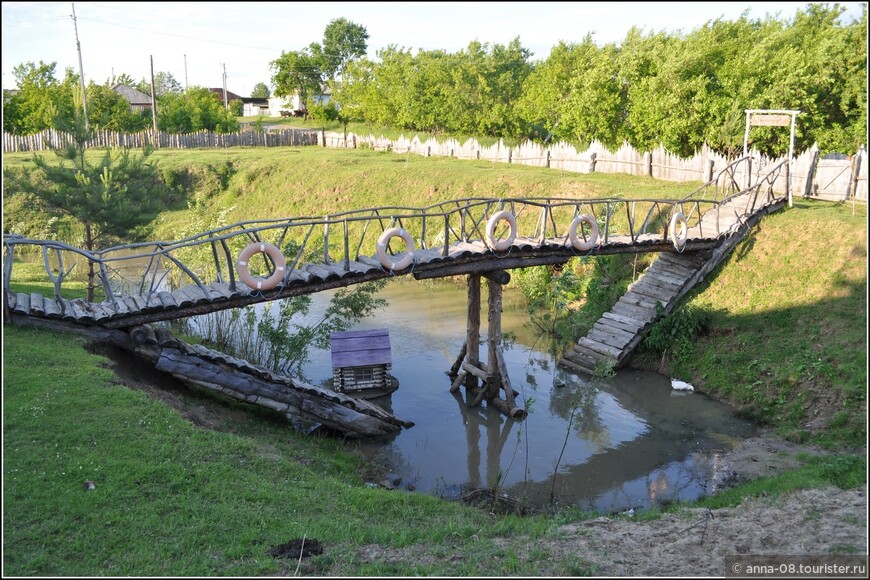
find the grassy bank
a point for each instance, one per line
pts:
(201, 487)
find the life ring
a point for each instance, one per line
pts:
(679, 239)
(593, 232)
(384, 241)
(490, 230)
(260, 283)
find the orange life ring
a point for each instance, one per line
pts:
(260, 283)
(384, 241)
(490, 230)
(679, 239)
(593, 232)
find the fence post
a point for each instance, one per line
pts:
(593, 159)
(647, 163)
(510, 155)
(856, 170)
(708, 171)
(811, 170)
(548, 158)
(323, 136)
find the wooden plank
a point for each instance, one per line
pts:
(587, 359)
(167, 299)
(630, 327)
(22, 304)
(11, 300)
(642, 315)
(36, 304)
(601, 327)
(627, 321)
(132, 305)
(653, 292)
(604, 349)
(52, 309)
(636, 301)
(608, 339)
(576, 367)
(651, 296)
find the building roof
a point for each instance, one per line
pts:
(231, 96)
(133, 96)
(356, 348)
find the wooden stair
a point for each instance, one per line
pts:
(618, 332)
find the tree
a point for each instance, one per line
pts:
(41, 99)
(260, 91)
(343, 41)
(194, 110)
(107, 109)
(164, 84)
(111, 198)
(297, 73)
(236, 107)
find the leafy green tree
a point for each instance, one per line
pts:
(41, 99)
(164, 84)
(236, 107)
(343, 41)
(297, 72)
(260, 91)
(107, 109)
(194, 110)
(111, 198)
(123, 79)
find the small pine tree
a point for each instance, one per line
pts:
(111, 198)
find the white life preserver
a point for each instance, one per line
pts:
(679, 239)
(245, 272)
(490, 230)
(593, 232)
(384, 241)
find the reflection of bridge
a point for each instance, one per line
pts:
(474, 237)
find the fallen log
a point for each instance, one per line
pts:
(239, 379)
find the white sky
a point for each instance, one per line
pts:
(193, 40)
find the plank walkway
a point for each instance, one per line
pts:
(190, 300)
(613, 338)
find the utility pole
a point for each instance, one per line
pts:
(81, 68)
(153, 99)
(226, 105)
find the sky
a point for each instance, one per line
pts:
(197, 42)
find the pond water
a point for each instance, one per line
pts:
(599, 444)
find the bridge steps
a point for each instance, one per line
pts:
(618, 332)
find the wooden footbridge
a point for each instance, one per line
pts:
(259, 261)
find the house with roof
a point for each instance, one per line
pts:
(138, 100)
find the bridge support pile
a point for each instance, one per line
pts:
(468, 368)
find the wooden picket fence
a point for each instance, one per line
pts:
(830, 179)
(50, 138)
(835, 179)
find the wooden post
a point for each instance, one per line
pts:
(495, 303)
(647, 163)
(548, 158)
(708, 171)
(472, 353)
(593, 158)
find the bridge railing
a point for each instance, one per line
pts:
(340, 240)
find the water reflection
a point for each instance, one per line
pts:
(628, 441)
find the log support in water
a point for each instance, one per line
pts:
(468, 369)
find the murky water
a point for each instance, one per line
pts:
(627, 441)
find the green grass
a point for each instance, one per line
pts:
(172, 498)
(787, 344)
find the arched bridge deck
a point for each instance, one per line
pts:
(159, 281)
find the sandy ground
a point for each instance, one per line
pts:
(696, 542)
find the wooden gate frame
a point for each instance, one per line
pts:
(772, 118)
